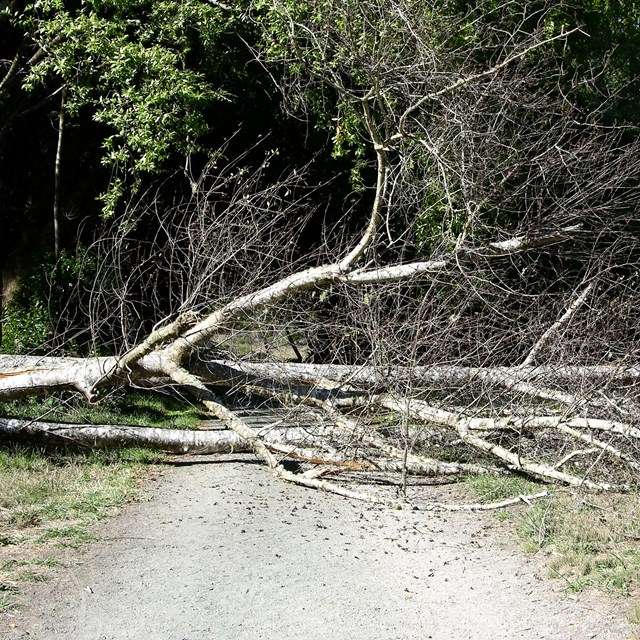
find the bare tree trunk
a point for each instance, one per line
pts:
(57, 189)
(179, 441)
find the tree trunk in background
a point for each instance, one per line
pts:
(57, 190)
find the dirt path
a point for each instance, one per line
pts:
(223, 551)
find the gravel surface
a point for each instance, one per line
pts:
(224, 551)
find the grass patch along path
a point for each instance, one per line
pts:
(49, 500)
(591, 541)
(588, 540)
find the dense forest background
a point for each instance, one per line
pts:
(116, 116)
(108, 109)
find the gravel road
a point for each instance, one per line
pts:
(224, 551)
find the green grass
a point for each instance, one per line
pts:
(51, 499)
(31, 576)
(47, 562)
(134, 408)
(592, 541)
(67, 536)
(490, 488)
(6, 604)
(634, 614)
(40, 487)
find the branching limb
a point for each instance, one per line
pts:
(234, 371)
(346, 264)
(158, 336)
(556, 326)
(549, 422)
(426, 465)
(239, 426)
(421, 410)
(491, 71)
(179, 441)
(15, 67)
(630, 460)
(321, 277)
(413, 270)
(574, 454)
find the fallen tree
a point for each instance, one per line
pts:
(482, 148)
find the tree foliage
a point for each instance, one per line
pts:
(466, 116)
(144, 70)
(608, 47)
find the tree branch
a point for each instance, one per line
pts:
(556, 326)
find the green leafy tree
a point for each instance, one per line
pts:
(99, 99)
(340, 60)
(142, 69)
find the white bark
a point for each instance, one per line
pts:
(423, 411)
(397, 119)
(628, 459)
(363, 375)
(170, 440)
(292, 442)
(57, 188)
(33, 375)
(556, 326)
(532, 422)
(227, 441)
